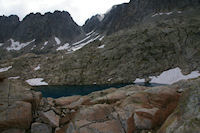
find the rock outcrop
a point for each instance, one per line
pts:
(16, 106)
(128, 109)
(133, 108)
(50, 118)
(40, 128)
(186, 116)
(18, 115)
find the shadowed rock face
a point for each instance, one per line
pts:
(42, 27)
(92, 23)
(1, 79)
(7, 26)
(39, 27)
(128, 14)
(37, 32)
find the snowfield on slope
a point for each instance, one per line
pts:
(15, 45)
(170, 76)
(165, 13)
(79, 46)
(64, 47)
(36, 82)
(57, 40)
(45, 43)
(102, 46)
(14, 77)
(37, 68)
(5, 69)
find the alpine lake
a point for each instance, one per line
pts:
(56, 91)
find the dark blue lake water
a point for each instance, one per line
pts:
(70, 90)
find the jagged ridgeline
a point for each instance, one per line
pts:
(39, 27)
(48, 33)
(36, 31)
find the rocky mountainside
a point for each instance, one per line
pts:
(162, 42)
(93, 23)
(128, 14)
(37, 33)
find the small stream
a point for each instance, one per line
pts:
(70, 90)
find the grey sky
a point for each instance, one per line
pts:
(80, 10)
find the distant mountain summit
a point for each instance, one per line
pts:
(93, 23)
(40, 27)
(8, 26)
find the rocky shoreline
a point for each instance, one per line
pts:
(128, 109)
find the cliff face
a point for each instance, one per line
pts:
(42, 27)
(8, 26)
(92, 23)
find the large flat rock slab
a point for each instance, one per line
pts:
(18, 115)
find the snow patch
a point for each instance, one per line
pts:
(1, 44)
(173, 75)
(33, 47)
(65, 46)
(81, 40)
(36, 82)
(37, 68)
(138, 80)
(161, 13)
(77, 47)
(170, 76)
(179, 11)
(89, 33)
(101, 17)
(102, 46)
(42, 47)
(57, 40)
(100, 39)
(168, 13)
(5, 69)
(110, 79)
(17, 45)
(45, 43)
(14, 77)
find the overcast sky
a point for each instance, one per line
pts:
(80, 10)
